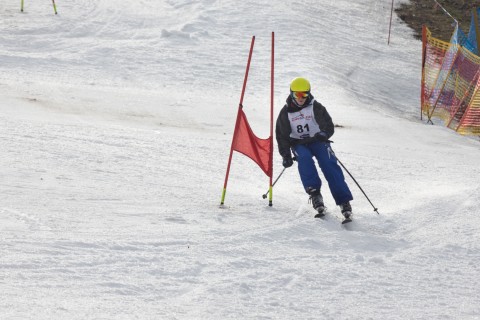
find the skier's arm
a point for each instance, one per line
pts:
(323, 119)
(282, 133)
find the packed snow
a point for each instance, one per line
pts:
(116, 119)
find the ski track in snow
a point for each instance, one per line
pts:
(116, 122)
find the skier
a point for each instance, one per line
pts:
(305, 127)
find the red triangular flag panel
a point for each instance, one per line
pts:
(246, 142)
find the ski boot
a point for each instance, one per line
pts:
(346, 211)
(317, 201)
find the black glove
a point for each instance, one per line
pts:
(287, 161)
(321, 136)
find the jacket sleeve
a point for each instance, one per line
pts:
(282, 133)
(323, 119)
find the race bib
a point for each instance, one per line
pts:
(303, 123)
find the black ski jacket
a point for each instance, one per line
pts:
(283, 128)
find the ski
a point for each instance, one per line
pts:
(321, 212)
(320, 215)
(347, 220)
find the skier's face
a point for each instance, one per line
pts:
(301, 101)
(300, 97)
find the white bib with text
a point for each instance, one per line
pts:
(303, 123)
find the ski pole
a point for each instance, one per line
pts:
(265, 195)
(374, 209)
(54, 6)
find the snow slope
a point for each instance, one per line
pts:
(116, 121)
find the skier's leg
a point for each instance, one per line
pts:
(332, 172)
(306, 168)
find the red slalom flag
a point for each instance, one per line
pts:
(246, 142)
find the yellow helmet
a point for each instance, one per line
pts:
(300, 85)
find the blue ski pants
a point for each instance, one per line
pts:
(329, 166)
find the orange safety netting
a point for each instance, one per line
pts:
(450, 84)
